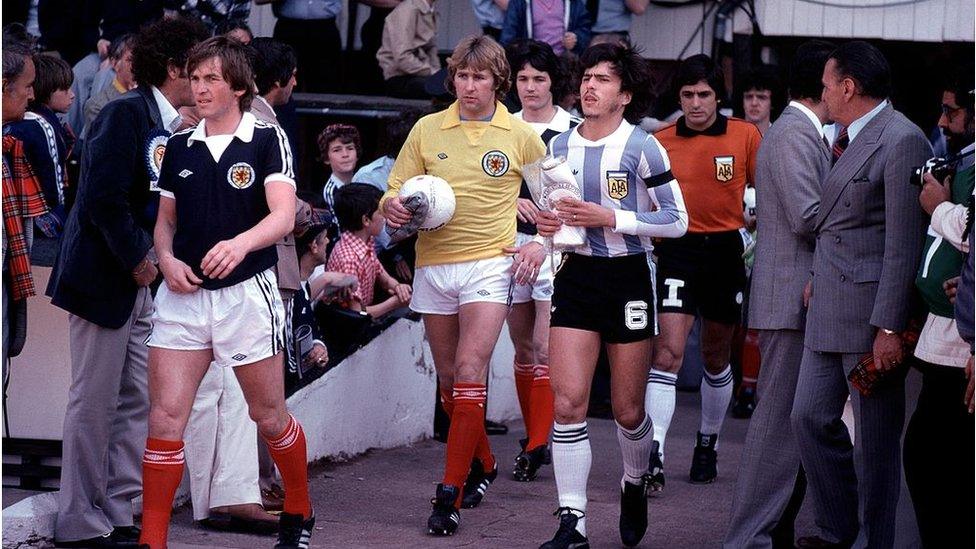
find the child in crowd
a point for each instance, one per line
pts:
(340, 147)
(48, 142)
(357, 208)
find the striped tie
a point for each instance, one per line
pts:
(840, 144)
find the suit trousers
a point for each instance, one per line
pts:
(939, 459)
(105, 425)
(221, 445)
(770, 486)
(854, 486)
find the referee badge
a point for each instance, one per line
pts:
(495, 163)
(724, 168)
(617, 185)
(240, 175)
(155, 149)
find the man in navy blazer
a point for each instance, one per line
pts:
(102, 278)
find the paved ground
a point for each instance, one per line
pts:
(381, 500)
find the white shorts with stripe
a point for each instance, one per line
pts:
(242, 323)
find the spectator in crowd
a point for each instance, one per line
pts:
(275, 75)
(120, 59)
(869, 241)
(490, 15)
(612, 18)
(340, 147)
(702, 273)
(790, 166)
(235, 28)
(408, 55)
(371, 38)
(46, 140)
(102, 278)
(941, 425)
(360, 220)
(563, 24)
(309, 26)
(220, 16)
(22, 200)
(761, 93)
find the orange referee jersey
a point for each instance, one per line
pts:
(713, 168)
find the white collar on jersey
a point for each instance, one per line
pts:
(623, 129)
(244, 131)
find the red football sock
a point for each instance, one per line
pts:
(467, 430)
(542, 408)
(289, 454)
(162, 471)
(523, 386)
(447, 402)
(483, 450)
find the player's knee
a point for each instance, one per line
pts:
(541, 345)
(629, 416)
(470, 369)
(569, 408)
(667, 359)
(267, 417)
(524, 353)
(165, 423)
(715, 360)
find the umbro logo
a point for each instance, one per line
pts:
(239, 357)
(442, 156)
(575, 172)
(185, 173)
(484, 293)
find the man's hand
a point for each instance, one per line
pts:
(951, 286)
(969, 386)
(577, 213)
(224, 257)
(403, 293)
(527, 211)
(145, 273)
(395, 213)
(547, 223)
(888, 351)
(569, 41)
(178, 275)
(318, 356)
(807, 293)
(527, 261)
(102, 47)
(934, 193)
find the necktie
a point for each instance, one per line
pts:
(840, 144)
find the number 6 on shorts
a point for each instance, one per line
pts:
(635, 315)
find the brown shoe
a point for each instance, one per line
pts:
(246, 518)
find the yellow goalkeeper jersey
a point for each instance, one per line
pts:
(482, 161)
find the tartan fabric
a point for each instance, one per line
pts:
(865, 376)
(840, 145)
(22, 199)
(353, 256)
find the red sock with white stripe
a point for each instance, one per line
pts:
(467, 431)
(523, 387)
(290, 455)
(541, 413)
(483, 450)
(162, 471)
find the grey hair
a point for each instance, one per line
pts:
(15, 57)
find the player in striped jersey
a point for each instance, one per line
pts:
(604, 290)
(538, 78)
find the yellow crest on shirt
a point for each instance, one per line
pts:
(240, 175)
(617, 187)
(724, 168)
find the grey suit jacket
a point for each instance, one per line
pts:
(870, 231)
(790, 168)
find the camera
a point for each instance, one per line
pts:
(938, 167)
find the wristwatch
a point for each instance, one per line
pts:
(888, 332)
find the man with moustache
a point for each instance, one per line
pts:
(790, 166)
(869, 240)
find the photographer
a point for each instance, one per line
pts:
(941, 426)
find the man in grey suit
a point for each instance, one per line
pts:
(792, 162)
(869, 238)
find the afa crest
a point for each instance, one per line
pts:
(724, 168)
(495, 163)
(617, 187)
(240, 175)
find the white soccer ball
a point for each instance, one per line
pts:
(440, 197)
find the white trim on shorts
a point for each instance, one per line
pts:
(442, 289)
(242, 324)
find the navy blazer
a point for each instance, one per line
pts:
(109, 230)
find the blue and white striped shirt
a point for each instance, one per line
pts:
(629, 172)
